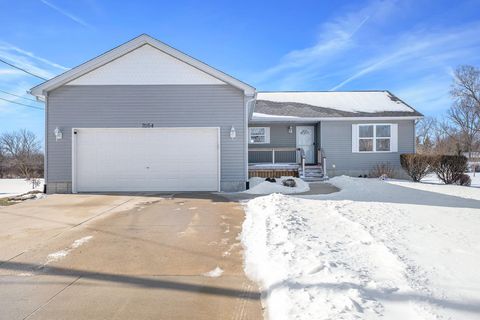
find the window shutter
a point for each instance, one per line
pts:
(267, 134)
(394, 138)
(354, 137)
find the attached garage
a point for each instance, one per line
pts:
(96, 138)
(145, 159)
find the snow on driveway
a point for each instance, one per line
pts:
(374, 250)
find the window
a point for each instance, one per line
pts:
(259, 135)
(374, 138)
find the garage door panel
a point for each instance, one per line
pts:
(153, 159)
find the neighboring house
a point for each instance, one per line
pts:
(147, 117)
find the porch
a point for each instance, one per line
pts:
(285, 149)
(284, 161)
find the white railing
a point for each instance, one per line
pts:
(300, 154)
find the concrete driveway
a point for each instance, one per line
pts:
(124, 257)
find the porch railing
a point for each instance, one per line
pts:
(299, 155)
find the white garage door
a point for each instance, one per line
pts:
(150, 159)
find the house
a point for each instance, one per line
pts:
(339, 132)
(147, 117)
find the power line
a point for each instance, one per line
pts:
(21, 69)
(22, 104)
(18, 96)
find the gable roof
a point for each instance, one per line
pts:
(128, 47)
(300, 106)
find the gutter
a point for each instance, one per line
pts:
(247, 120)
(306, 120)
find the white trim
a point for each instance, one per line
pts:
(45, 157)
(247, 135)
(219, 159)
(393, 137)
(267, 135)
(308, 120)
(354, 138)
(127, 47)
(74, 161)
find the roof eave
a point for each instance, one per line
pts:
(304, 120)
(90, 65)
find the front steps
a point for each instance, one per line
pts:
(312, 174)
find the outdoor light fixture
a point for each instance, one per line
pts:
(58, 134)
(233, 133)
(290, 129)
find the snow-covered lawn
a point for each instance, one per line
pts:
(374, 250)
(432, 178)
(14, 187)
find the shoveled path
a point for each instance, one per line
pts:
(124, 257)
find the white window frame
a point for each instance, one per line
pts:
(391, 138)
(267, 135)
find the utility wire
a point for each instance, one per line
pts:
(21, 69)
(18, 96)
(22, 104)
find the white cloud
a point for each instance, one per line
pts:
(4, 72)
(8, 46)
(66, 14)
(421, 50)
(336, 37)
(29, 61)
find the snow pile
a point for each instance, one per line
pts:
(15, 187)
(354, 101)
(374, 250)
(260, 186)
(215, 273)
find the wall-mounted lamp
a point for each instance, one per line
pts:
(290, 129)
(233, 133)
(58, 134)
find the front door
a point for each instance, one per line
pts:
(306, 141)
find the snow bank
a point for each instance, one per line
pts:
(374, 250)
(260, 186)
(15, 187)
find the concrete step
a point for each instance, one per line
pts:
(315, 179)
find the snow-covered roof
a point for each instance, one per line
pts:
(329, 104)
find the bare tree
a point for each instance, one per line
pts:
(22, 148)
(464, 114)
(466, 86)
(426, 130)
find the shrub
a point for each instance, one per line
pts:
(382, 170)
(289, 183)
(417, 166)
(464, 180)
(448, 168)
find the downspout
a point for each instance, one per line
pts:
(247, 117)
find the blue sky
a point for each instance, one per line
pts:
(408, 47)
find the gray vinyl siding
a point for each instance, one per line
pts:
(279, 138)
(336, 142)
(129, 106)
